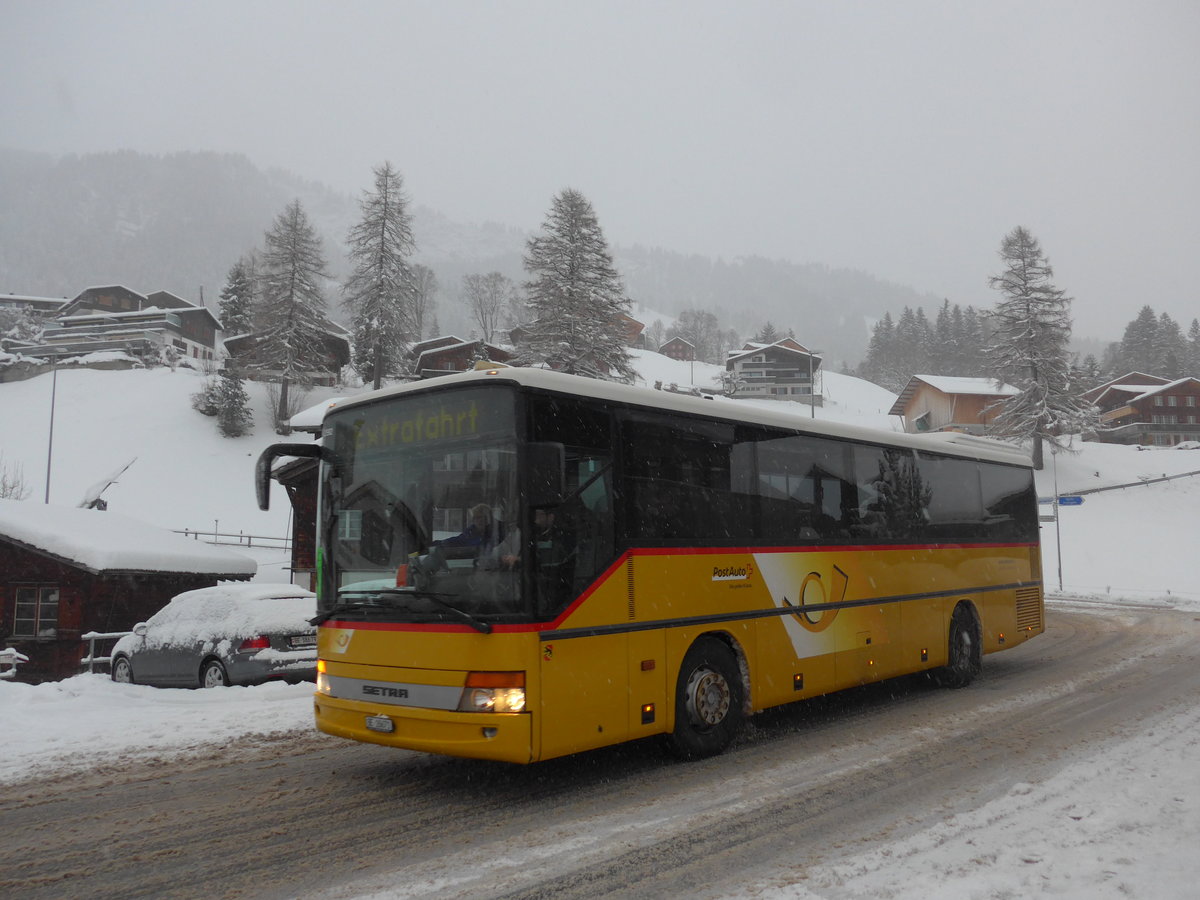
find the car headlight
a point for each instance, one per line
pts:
(493, 692)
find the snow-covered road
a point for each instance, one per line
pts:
(1058, 774)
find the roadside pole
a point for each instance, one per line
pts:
(1057, 513)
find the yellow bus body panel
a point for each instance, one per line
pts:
(606, 670)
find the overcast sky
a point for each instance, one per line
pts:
(901, 138)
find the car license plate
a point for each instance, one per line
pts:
(380, 723)
(302, 641)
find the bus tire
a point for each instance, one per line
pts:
(965, 657)
(708, 700)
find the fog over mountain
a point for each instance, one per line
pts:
(179, 221)
(900, 140)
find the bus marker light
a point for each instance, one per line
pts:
(924, 654)
(798, 682)
(1002, 637)
(647, 665)
(647, 713)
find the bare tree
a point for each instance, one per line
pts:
(489, 297)
(424, 289)
(12, 482)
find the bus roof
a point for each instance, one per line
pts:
(949, 443)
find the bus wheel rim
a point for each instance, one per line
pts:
(708, 697)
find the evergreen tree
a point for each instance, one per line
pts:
(489, 298)
(237, 300)
(234, 417)
(768, 335)
(1140, 344)
(1032, 330)
(1171, 349)
(291, 314)
(575, 294)
(1192, 359)
(882, 363)
(379, 291)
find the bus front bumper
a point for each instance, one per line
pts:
(507, 737)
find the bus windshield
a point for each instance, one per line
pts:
(420, 510)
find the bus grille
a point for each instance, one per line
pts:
(1029, 608)
(629, 586)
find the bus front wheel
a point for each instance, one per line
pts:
(965, 657)
(708, 700)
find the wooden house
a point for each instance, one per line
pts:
(117, 318)
(949, 403)
(245, 358)
(784, 370)
(65, 572)
(446, 355)
(1146, 409)
(678, 348)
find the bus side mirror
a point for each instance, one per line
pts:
(545, 474)
(262, 469)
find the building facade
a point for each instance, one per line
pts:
(949, 403)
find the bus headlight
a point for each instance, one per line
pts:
(322, 678)
(493, 692)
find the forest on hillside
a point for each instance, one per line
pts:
(179, 222)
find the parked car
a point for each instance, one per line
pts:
(234, 633)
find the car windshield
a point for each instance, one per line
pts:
(420, 510)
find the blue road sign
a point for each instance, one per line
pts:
(1070, 501)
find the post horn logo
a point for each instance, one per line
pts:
(818, 605)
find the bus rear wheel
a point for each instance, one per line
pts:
(965, 657)
(708, 700)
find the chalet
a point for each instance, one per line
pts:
(65, 572)
(784, 370)
(633, 331)
(949, 403)
(678, 348)
(1145, 409)
(44, 307)
(244, 356)
(118, 318)
(449, 354)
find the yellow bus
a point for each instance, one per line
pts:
(518, 564)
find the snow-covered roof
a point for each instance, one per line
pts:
(107, 542)
(791, 345)
(951, 384)
(1162, 388)
(310, 419)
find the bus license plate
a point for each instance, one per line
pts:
(380, 723)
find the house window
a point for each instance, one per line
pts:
(1158, 401)
(1190, 401)
(1172, 401)
(36, 612)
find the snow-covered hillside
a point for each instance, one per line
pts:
(1126, 546)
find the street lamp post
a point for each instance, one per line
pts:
(50, 442)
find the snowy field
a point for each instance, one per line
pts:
(1122, 820)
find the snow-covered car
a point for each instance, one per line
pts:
(234, 633)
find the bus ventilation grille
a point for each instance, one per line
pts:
(629, 586)
(1029, 608)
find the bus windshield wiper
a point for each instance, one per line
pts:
(481, 627)
(337, 609)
